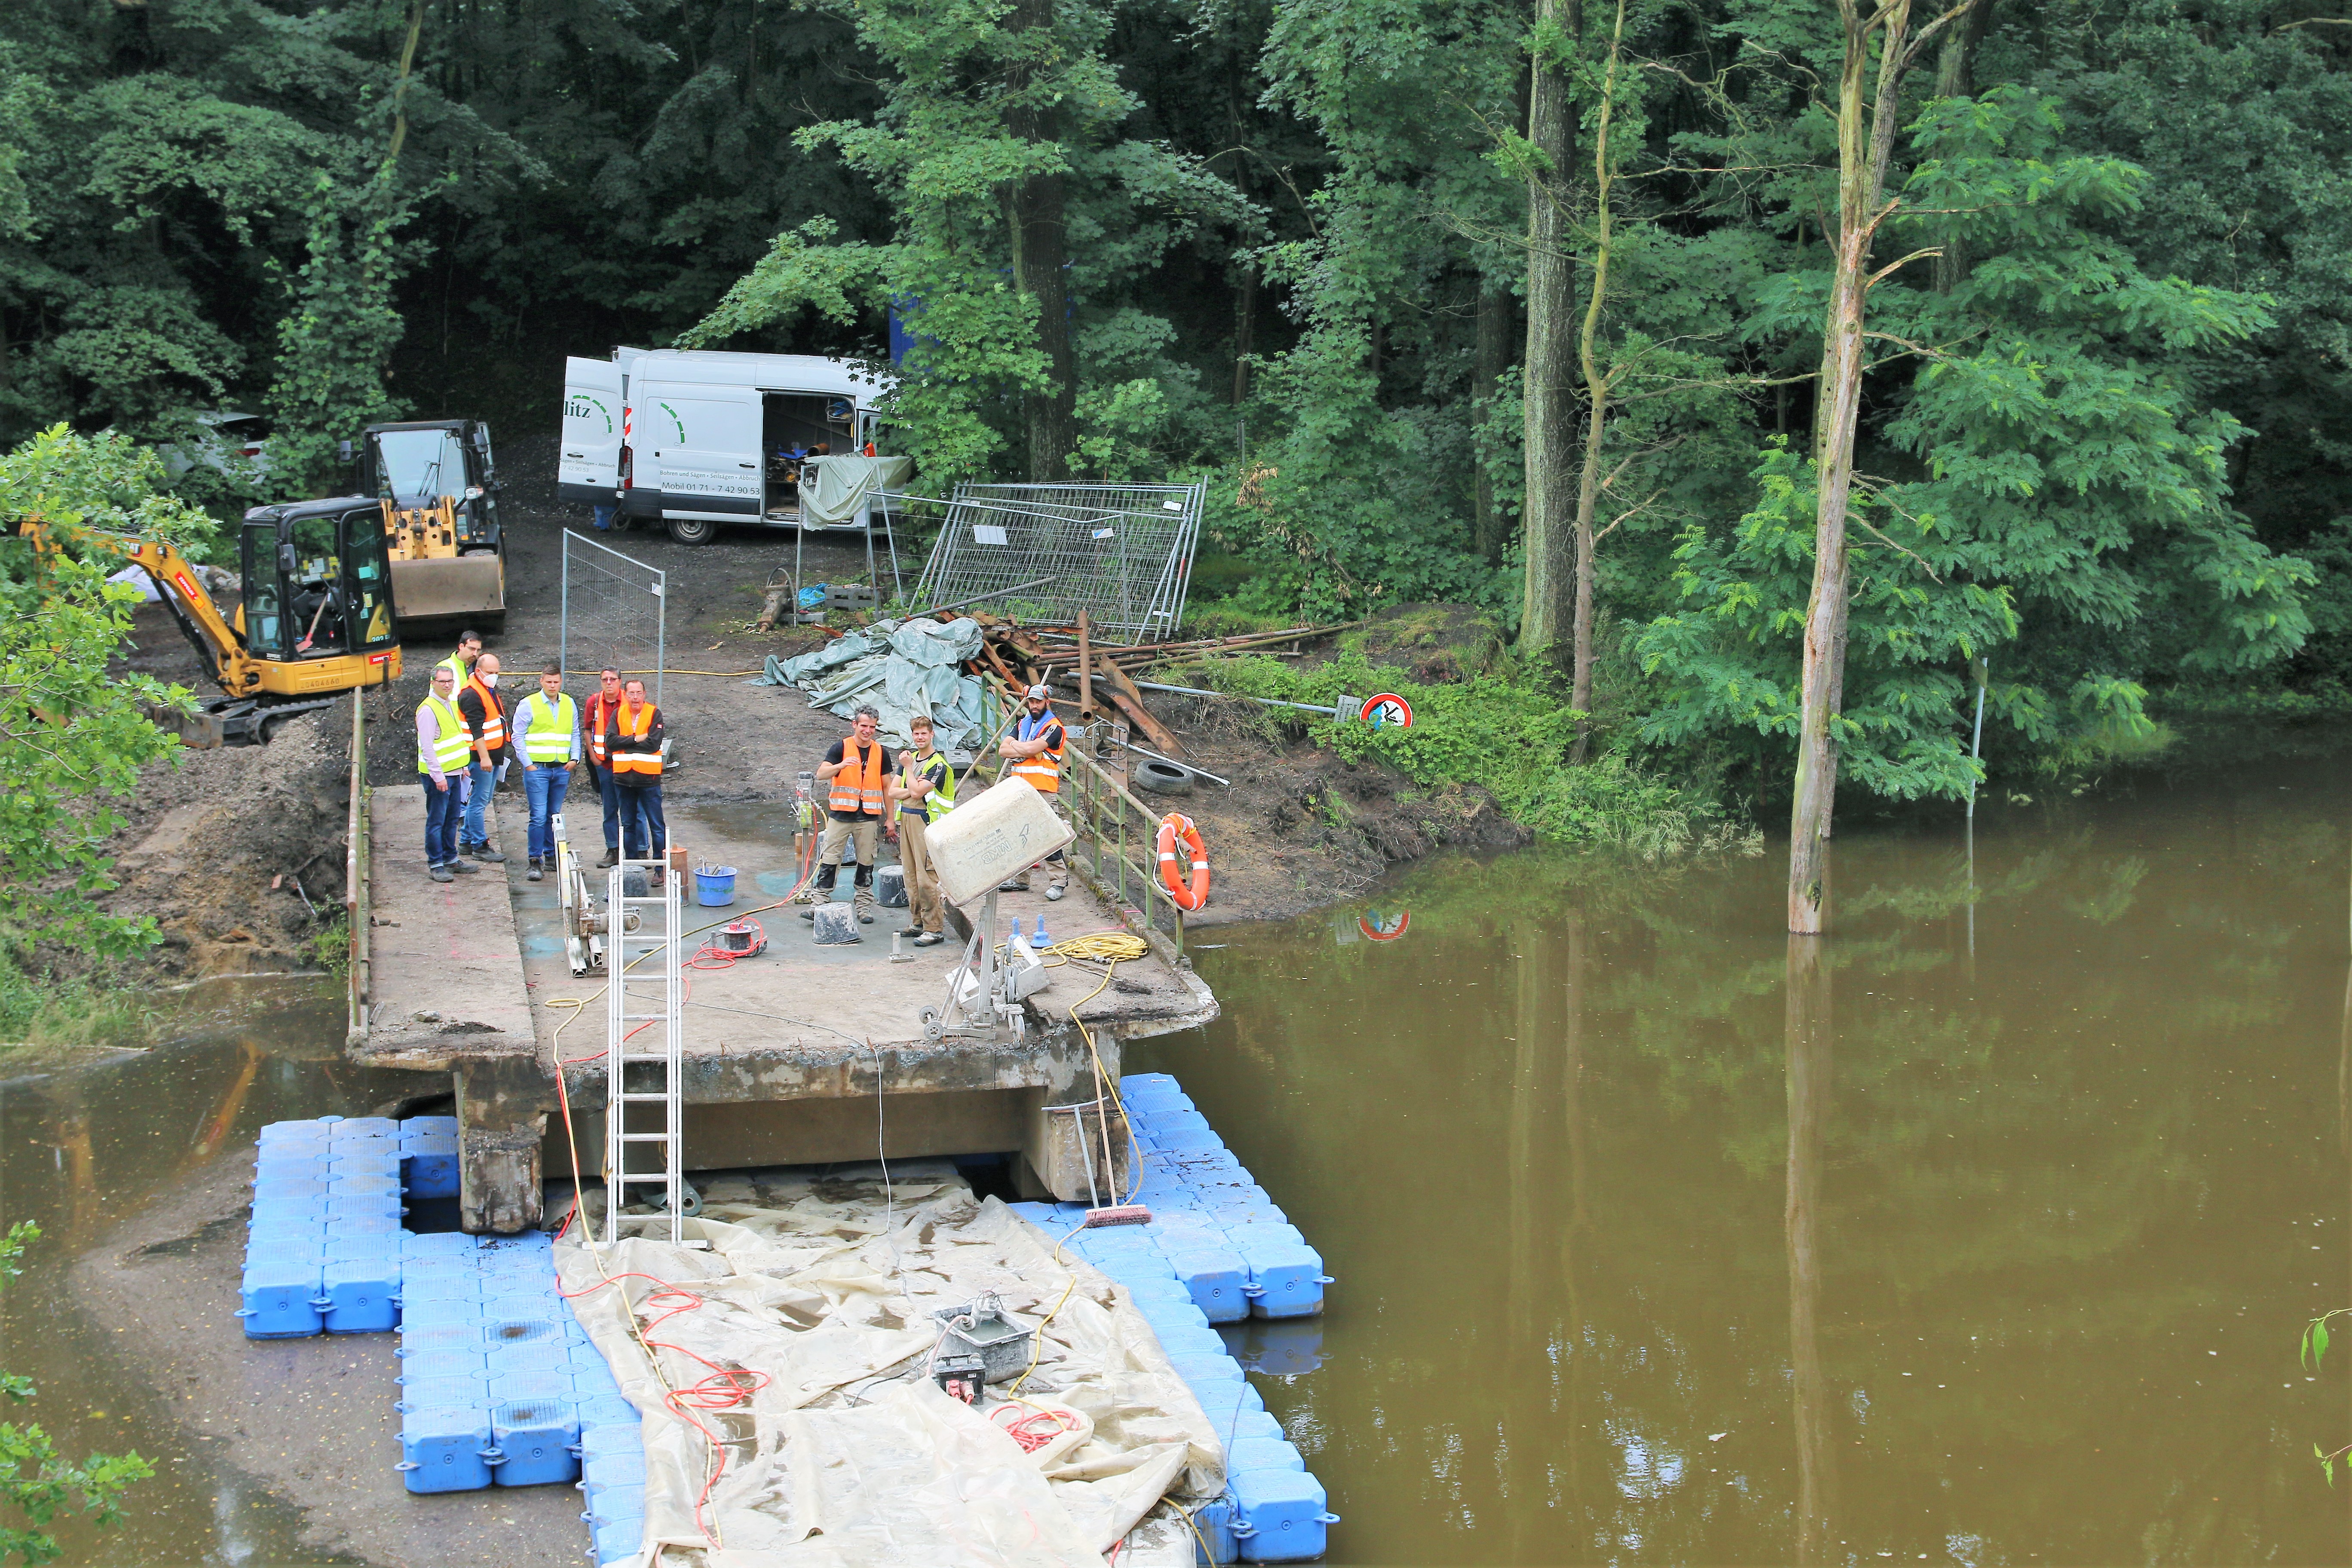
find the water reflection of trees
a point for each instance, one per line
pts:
(1657, 1213)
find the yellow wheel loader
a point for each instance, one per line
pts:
(315, 617)
(437, 486)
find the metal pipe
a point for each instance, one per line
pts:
(1332, 709)
(1172, 762)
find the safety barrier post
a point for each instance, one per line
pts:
(356, 916)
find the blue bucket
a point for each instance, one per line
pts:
(714, 886)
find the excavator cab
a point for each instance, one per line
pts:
(318, 591)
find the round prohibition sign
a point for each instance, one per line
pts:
(1387, 708)
(1382, 925)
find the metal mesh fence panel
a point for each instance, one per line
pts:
(1121, 552)
(615, 613)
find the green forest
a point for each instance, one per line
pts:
(1585, 313)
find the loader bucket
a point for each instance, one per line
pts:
(450, 588)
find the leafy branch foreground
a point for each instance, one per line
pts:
(35, 1480)
(1504, 733)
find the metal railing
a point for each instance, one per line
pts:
(615, 612)
(357, 918)
(1123, 834)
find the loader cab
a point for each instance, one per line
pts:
(317, 585)
(415, 464)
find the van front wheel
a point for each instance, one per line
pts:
(693, 530)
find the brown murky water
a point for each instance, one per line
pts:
(1994, 1247)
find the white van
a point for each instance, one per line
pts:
(697, 438)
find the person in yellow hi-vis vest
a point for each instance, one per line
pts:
(1035, 749)
(443, 746)
(547, 728)
(923, 789)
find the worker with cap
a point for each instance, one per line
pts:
(443, 745)
(923, 790)
(485, 713)
(596, 724)
(855, 767)
(1035, 749)
(460, 664)
(547, 728)
(636, 748)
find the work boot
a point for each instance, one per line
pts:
(535, 874)
(928, 939)
(612, 858)
(863, 902)
(1015, 884)
(440, 874)
(910, 931)
(483, 851)
(462, 868)
(1056, 887)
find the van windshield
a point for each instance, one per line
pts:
(417, 468)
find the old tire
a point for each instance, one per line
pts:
(1162, 778)
(693, 530)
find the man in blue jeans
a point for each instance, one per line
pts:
(485, 713)
(443, 746)
(546, 729)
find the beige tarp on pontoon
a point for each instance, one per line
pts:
(850, 1455)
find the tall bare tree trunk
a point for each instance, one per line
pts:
(1497, 315)
(1809, 1038)
(1866, 128)
(1034, 210)
(1955, 77)
(1548, 610)
(1596, 395)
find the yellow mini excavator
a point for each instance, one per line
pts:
(315, 619)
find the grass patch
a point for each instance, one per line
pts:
(1508, 737)
(331, 948)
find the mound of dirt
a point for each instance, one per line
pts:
(211, 831)
(1432, 643)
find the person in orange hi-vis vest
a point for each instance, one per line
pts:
(1035, 749)
(596, 749)
(855, 767)
(636, 748)
(485, 713)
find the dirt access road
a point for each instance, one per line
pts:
(207, 838)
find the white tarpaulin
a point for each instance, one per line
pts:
(847, 1454)
(902, 667)
(833, 489)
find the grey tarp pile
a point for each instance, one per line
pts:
(902, 667)
(832, 490)
(846, 1455)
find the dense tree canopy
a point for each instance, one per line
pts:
(1286, 246)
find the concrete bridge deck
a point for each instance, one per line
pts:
(784, 1052)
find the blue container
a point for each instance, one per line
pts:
(1262, 1454)
(444, 1450)
(361, 1295)
(279, 1301)
(714, 886)
(619, 1540)
(534, 1439)
(452, 1391)
(1280, 1516)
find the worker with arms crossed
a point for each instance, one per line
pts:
(635, 749)
(854, 810)
(485, 713)
(923, 790)
(547, 728)
(596, 722)
(443, 745)
(1035, 749)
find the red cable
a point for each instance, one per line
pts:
(1020, 1430)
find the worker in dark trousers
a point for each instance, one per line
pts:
(1035, 749)
(636, 747)
(485, 713)
(595, 746)
(855, 768)
(442, 744)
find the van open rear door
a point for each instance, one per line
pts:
(589, 468)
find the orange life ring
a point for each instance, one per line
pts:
(1175, 829)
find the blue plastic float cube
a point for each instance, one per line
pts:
(534, 1439)
(532, 1387)
(429, 1126)
(1200, 1372)
(1179, 1339)
(441, 1314)
(445, 1448)
(361, 1296)
(440, 1244)
(1287, 1277)
(428, 1166)
(465, 1391)
(1232, 1417)
(504, 1328)
(1215, 1278)
(619, 1540)
(609, 1502)
(279, 1301)
(531, 1355)
(440, 1287)
(344, 1128)
(1215, 1521)
(1262, 1454)
(1280, 1516)
(419, 1363)
(610, 1413)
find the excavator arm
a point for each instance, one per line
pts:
(207, 630)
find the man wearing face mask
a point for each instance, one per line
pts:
(596, 726)
(486, 721)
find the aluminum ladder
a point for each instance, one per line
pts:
(644, 1043)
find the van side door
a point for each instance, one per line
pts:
(588, 468)
(707, 441)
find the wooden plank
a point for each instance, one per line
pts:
(1086, 672)
(1130, 701)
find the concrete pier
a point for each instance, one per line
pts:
(803, 1054)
